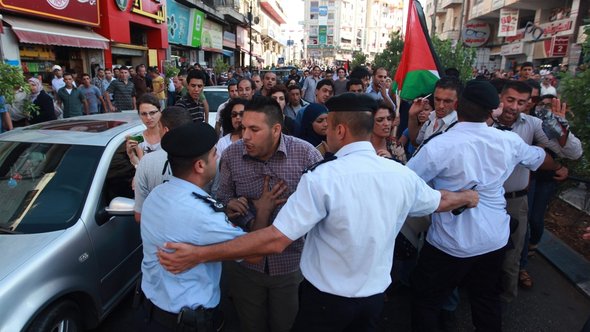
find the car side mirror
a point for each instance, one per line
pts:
(121, 206)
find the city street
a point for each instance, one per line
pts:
(553, 304)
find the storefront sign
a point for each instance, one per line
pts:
(241, 36)
(149, 8)
(323, 33)
(178, 22)
(497, 4)
(323, 15)
(559, 46)
(508, 22)
(476, 33)
(534, 32)
(229, 39)
(197, 21)
(73, 11)
(512, 49)
(212, 37)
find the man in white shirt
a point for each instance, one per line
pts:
(546, 87)
(468, 247)
(348, 252)
(58, 81)
(446, 94)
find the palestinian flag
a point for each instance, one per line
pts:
(419, 67)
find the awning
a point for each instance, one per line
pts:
(45, 33)
(228, 53)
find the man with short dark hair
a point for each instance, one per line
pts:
(340, 83)
(526, 71)
(123, 92)
(515, 97)
(71, 100)
(378, 89)
(180, 210)
(140, 81)
(446, 95)
(257, 86)
(354, 85)
(246, 88)
(268, 81)
(467, 248)
(96, 103)
(346, 261)
(191, 101)
(295, 103)
(310, 84)
(265, 294)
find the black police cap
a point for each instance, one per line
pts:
(482, 93)
(189, 140)
(351, 102)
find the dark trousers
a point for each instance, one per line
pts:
(438, 273)
(323, 312)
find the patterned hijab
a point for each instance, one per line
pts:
(39, 86)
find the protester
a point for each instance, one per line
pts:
(149, 140)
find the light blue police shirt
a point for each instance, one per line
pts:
(171, 213)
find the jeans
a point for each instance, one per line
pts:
(540, 194)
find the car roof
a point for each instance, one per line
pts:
(216, 88)
(96, 130)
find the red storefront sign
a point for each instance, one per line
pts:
(75, 11)
(559, 47)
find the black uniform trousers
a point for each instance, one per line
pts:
(324, 312)
(438, 273)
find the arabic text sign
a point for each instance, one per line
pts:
(75, 11)
(508, 22)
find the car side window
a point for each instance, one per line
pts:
(118, 182)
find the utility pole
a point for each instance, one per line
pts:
(250, 17)
(433, 19)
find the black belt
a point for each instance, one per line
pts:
(163, 317)
(516, 194)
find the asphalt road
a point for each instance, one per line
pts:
(552, 305)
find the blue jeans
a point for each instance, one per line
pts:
(540, 194)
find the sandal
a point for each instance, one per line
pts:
(524, 279)
(532, 250)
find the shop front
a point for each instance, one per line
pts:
(137, 31)
(185, 27)
(32, 38)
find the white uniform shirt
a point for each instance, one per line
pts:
(466, 155)
(352, 209)
(152, 171)
(427, 129)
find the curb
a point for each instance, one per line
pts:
(573, 265)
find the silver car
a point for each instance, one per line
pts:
(71, 249)
(216, 95)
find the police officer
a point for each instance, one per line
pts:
(181, 211)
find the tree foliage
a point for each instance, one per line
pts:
(391, 55)
(455, 56)
(358, 59)
(220, 66)
(574, 90)
(11, 77)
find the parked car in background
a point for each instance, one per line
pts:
(71, 249)
(216, 95)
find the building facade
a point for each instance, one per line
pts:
(506, 33)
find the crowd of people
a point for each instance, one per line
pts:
(312, 188)
(306, 197)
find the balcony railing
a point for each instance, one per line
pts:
(234, 4)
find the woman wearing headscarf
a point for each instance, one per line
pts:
(42, 100)
(314, 126)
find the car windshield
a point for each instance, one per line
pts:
(43, 186)
(215, 98)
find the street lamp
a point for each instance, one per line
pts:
(250, 17)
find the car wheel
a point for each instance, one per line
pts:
(61, 317)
